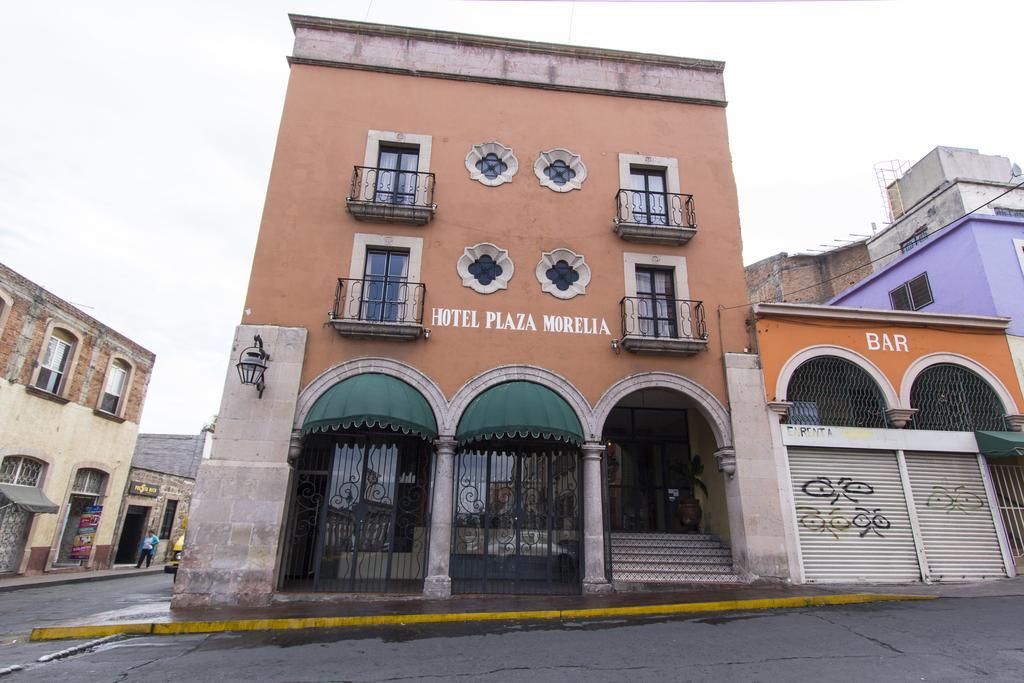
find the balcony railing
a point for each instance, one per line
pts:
(378, 307)
(653, 324)
(390, 195)
(654, 217)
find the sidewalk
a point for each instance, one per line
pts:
(61, 578)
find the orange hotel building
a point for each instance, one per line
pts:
(496, 324)
(487, 280)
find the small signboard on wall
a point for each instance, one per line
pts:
(141, 488)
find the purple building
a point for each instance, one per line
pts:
(975, 266)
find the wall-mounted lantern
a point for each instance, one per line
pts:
(252, 365)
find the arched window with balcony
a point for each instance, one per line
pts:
(828, 390)
(950, 397)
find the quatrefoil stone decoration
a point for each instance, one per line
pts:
(563, 273)
(485, 268)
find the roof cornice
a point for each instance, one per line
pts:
(475, 40)
(419, 52)
(874, 315)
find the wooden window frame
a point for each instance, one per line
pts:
(71, 361)
(122, 402)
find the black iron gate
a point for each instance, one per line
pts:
(360, 515)
(517, 519)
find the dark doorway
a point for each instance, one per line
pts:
(131, 534)
(647, 455)
(517, 519)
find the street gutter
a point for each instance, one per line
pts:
(161, 628)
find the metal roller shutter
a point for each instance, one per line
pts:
(852, 517)
(953, 512)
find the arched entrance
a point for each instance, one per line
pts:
(657, 477)
(517, 524)
(359, 517)
(666, 515)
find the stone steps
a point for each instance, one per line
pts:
(684, 545)
(630, 535)
(665, 559)
(671, 558)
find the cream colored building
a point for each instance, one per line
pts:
(71, 394)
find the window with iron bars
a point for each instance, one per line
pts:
(88, 482)
(22, 471)
(952, 398)
(832, 391)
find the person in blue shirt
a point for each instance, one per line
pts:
(147, 549)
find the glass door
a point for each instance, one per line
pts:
(385, 285)
(396, 175)
(649, 205)
(656, 309)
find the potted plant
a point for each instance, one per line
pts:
(688, 507)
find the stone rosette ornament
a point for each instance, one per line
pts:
(485, 268)
(560, 170)
(491, 164)
(563, 273)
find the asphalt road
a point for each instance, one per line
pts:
(953, 639)
(23, 609)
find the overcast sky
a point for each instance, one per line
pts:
(137, 137)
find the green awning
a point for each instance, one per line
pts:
(372, 400)
(1000, 444)
(519, 410)
(27, 498)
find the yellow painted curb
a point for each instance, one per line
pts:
(183, 627)
(98, 631)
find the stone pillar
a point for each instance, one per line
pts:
(594, 580)
(438, 584)
(238, 507)
(756, 505)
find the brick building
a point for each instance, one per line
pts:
(71, 394)
(159, 491)
(807, 278)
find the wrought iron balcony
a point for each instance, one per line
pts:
(386, 308)
(654, 217)
(388, 195)
(654, 324)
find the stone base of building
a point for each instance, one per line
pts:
(222, 588)
(594, 587)
(237, 511)
(437, 587)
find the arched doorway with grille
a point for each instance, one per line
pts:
(359, 518)
(87, 492)
(518, 493)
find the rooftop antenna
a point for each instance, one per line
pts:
(887, 173)
(1015, 172)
